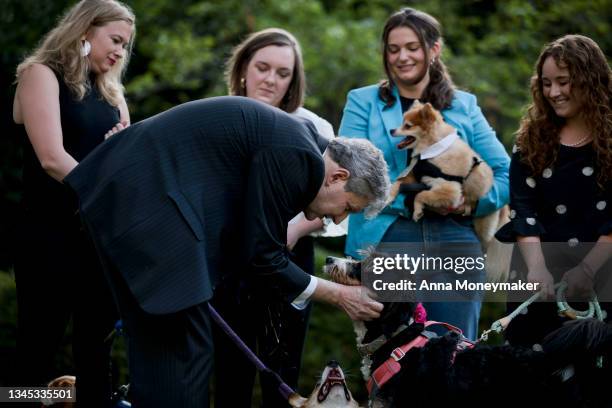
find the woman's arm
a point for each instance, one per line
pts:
(581, 278)
(354, 121)
(537, 272)
(524, 227)
(124, 119)
(599, 255)
(300, 229)
(485, 143)
(38, 98)
(124, 113)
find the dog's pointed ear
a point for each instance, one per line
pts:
(428, 113)
(296, 400)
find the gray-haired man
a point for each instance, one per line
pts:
(180, 201)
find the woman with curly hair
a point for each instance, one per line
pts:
(561, 181)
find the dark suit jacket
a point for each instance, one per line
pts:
(206, 189)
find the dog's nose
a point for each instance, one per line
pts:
(329, 260)
(392, 131)
(332, 364)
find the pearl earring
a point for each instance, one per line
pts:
(243, 83)
(85, 48)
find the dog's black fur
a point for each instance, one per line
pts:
(506, 375)
(500, 376)
(393, 315)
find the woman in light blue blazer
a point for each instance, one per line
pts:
(412, 45)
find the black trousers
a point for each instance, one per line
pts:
(59, 278)
(170, 356)
(274, 329)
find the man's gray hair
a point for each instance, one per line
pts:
(366, 163)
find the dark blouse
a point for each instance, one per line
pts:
(84, 124)
(562, 204)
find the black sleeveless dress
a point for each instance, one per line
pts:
(57, 272)
(84, 124)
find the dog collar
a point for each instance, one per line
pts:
(392, 366)
(418, 316)
(439, 147)
(432, 151)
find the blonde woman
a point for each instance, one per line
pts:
(68, 99)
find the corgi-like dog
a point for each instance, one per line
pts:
(330, 391)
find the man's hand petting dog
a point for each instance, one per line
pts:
(545, 281)
(358, 302)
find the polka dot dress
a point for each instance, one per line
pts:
(562, 203)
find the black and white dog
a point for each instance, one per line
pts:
(571, 368)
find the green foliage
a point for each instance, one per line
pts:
(490, 47)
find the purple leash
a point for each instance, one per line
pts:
(285, 390)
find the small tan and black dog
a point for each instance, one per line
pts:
(331, 391)
(65, 381)
(460, 175)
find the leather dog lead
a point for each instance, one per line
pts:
(285, 390)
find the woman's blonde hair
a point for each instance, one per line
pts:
(243, 53)
(60, 49)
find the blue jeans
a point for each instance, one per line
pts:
(433, 228)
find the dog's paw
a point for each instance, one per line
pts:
(416, 216)
(418, 211)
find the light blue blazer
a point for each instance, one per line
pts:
(365, 116)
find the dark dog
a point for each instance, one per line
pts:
(561, 372)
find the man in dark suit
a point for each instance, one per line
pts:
(180, 201)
